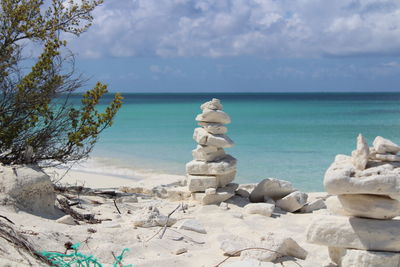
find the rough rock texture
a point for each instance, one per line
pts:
(370, 206)
(67, 219)
(335, 207)
(357, 233)
(316, 204)
(202, 137)
(150, 217)
(201, 183)
(192, 225)
(27, 188)
(361, 154)
(292, 202)
(221, 195)
(264, 209)
(213, 104)
(387, 157)
(226, 178)
(383, 145)
(214, 128)
(222, 166)
(216, 116)
(208, 153)
(271, 188)
(352, 257)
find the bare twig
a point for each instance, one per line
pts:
(166, 223)
(89, 218)
(115, 204)
(5, 218)
(115, 257)
(237, 253)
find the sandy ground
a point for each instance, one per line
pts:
(146, 246)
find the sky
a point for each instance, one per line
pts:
(243, 46)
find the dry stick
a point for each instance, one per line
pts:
(237, 253)
(5, 218)
(115, 204)
(115, 257)
(166, 223)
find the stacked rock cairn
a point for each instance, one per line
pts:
(211, 171)
(366, 189)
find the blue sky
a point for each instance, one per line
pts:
(243, 45)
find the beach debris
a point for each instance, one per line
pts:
(180, 251)
(192, 225)
(27, 188)
(264, 209)
(271, 188)
(211, 167)
(361, 154)
(367, 200)
(292, 202)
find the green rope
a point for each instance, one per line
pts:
(77, 259)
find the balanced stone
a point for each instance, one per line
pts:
(361, 154)
(220, 195)
(202, 137)
(201, 183)
(383, 145)
(292, 202)
(387, 157)
(224, 179)
(271, 188)
(222, 166)
(214, 128)
(216, 116)
(370, 206)
(354, 257)
(353, 232)
(208, 153)
(214, 104)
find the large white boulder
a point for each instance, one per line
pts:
(264, 209)
(340, 178)
(383, 145)
(214, 128)
(27, 188)
(361, 154)
(370, 206)
(271, 188)
(353, 232)
(208, 153)
(362, 258)
(292, 202)
(197, 183)
(221, 166)
(202, 137)
(213, 104)
(216, 116)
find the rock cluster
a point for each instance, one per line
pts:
(211, 170)
(367, 189)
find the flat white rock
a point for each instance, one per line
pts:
(214, 104)
(67, 219)
(216, 116)
(353, 232)
(214, 128)
(272, 188)
(370, 206)
(353, 257)
(264, 209)
(198, 183)
(202, 137)
(361, 154)
(340, 178)
(387, 157)
(220, 195)
(292, 202)
(221, 166)
(207, 153)
(383, 145)
(192, 225)
(316, 204)
(224, 179)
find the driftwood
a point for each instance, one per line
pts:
(66, 208)
(86, 191)
(8, 233)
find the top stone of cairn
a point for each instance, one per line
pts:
(213, 104)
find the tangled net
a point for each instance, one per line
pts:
(77, 259)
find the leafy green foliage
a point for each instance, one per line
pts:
(36, 125)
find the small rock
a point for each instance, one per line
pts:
(354, 257)
(150, 217)
(211, 191)
(264, 209)
(224, 206)
(360, 156)
(221, 195)
(214, 128)
(67, 219)
(269, 200)
(198, 183)
(242, 193)
(222, 166)
(216, 116)
(207, 153)
(110, 225)
(292, 202)
(202, 137)
(387, 157)
(272, 188)
(192, 225)
(214, 104)
(180, 251)
(313, 205)
(383, 145)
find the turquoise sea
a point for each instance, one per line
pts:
(291, 136)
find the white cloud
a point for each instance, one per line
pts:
(267, 28)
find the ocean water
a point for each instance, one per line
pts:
(291, 136)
